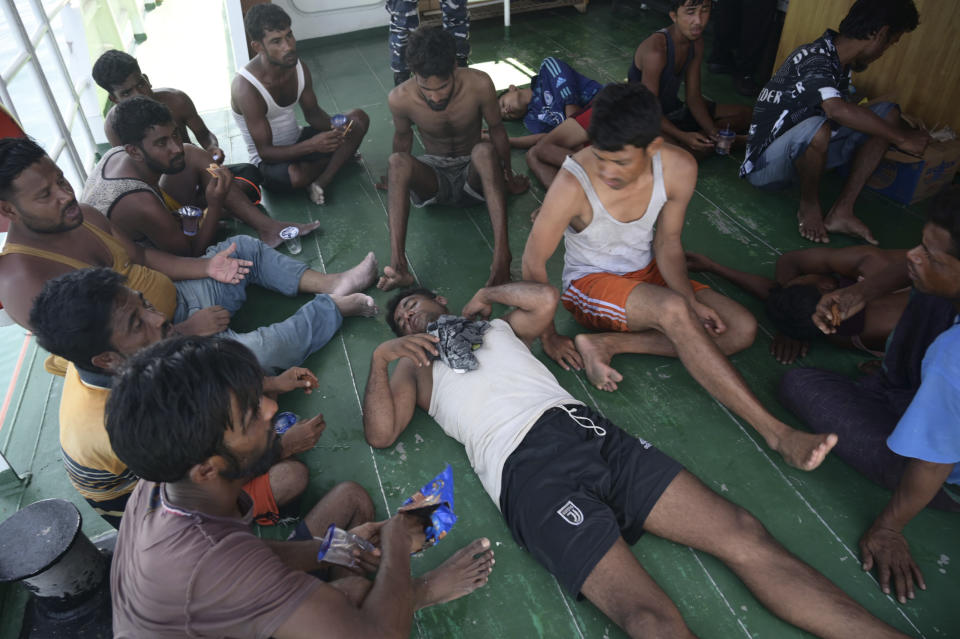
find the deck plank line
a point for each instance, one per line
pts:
(23, 393)
(566, 604)
(719, 591)
(36, 443)
(739, 223)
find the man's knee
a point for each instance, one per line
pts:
(484, 155)
(248, 247)
(748, 538)
(893, 115)
(361, 118)
(743, 325)
(821, 139)
(288, 479)
(674, 312)
(356, 498)
(643, 622)
(400, 166)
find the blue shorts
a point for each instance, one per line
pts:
(775, 168)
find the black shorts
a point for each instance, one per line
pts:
(683, 119)
(276, 177)
(568, 493)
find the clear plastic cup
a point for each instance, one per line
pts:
(725, 140)
(339, 121)
(338, 547)
(291, 237)
(190, 219)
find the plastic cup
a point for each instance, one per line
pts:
(339, 121)
(725, 140)
(291, 237)
(283, 421)
(338, 547)
(190, 219)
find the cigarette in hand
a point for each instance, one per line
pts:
(346, 129)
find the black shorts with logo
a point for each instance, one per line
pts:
(569, 492)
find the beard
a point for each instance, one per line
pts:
(270, 456)
(437, 106)
(62, 224)
(177, 164)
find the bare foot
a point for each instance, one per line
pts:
(355, 305)
(803, 450)
(849, 225)
(596, 360)
(315, 193)
(465, 571)
(358, 278)
(393, 278)
(534, 213)
(271, 235)
(811, 223)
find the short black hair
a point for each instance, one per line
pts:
(16, 154)
(431, 52)
(866, 17)
(791, 310)
(112, 68)
(676, 4)
(944, 211)
(624, 114)
(133, 117)
(172, 403)
(399, 297)
(71, 315)
(265, 17)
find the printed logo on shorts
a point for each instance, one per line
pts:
(571, 514)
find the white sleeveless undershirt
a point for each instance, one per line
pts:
(607, 244)
(282, 119)
(490, 410)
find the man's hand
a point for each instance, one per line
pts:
(369, 561)
(516, 184)
(205, 322)
(293, 378)
(327, 142)
(914, 142)
(848, 303)
(218, 186)
(698, 141)
(561, 349)
(477, 307)
(420, 348)
(709, 318)
(228, 270)
(303, 435)
(889, 550)
(787, 350)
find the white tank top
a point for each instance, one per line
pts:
(607, 244)
(282, 119)
(490, 410)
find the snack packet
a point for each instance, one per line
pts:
(434, 505)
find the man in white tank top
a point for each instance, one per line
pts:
(263, 97)
(575, 489)
(623, 277)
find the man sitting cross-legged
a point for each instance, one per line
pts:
(51, 234)
(673, 56)
(107, 324)
(189, 416)
(801, 279)
(448, 104)
(140, 185)
(576, 490)
(119, 74)
(804, 121)
(621, 277)
(263, 97)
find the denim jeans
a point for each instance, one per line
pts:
(277, 346)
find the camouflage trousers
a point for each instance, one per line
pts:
(404, 19)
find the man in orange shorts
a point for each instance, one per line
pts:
(622, 277)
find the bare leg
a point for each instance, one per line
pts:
(347, 505)
(546, 156)
(355, 305)
(405, 174)
(465, 571)
(841, 218)
(677, 331)
(485, 174)
(288, 479)
(810, 166)
(691, 514)
(353, 280)
(316, 176)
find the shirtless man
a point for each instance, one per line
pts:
(263, 96)
(620, 277)
(51, 233)
(187, 523)
(141, 184)
(673, 56)
(801, 279)
(448, 104)
(575, 489)
(119, 74)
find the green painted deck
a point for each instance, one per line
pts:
(819, 515)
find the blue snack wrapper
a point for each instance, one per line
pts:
(434, 503)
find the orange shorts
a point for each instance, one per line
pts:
(599, 300)
(265, 509)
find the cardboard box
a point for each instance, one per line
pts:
(907, 179)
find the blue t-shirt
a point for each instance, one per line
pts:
(930, 429)
(556, 86)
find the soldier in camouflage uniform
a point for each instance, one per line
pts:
(405, 18)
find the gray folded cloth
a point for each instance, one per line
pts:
(459, 337)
